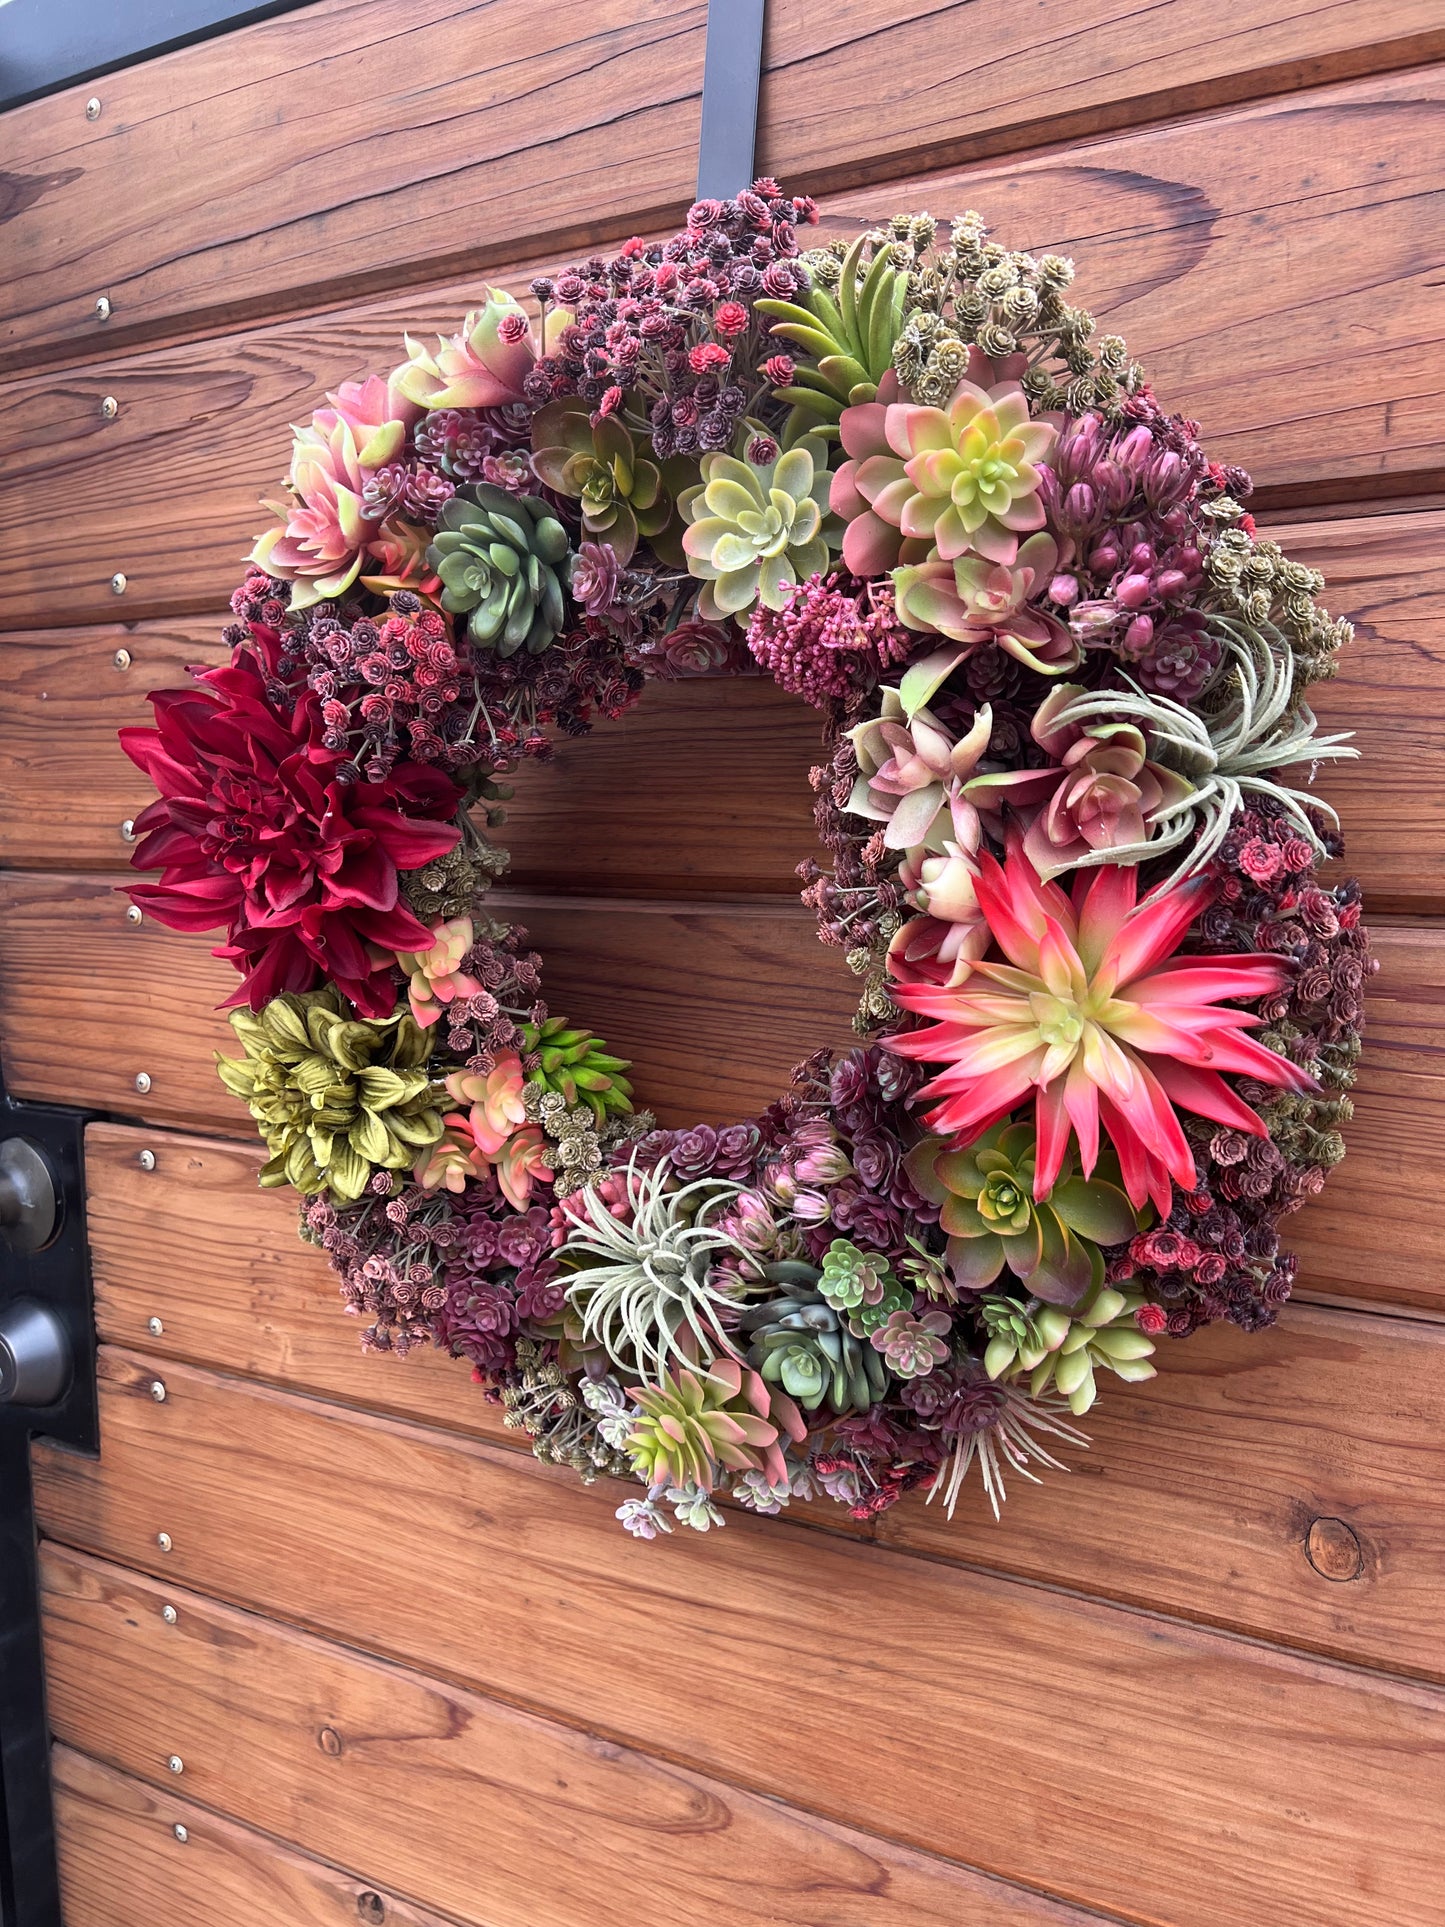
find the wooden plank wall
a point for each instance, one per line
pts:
(409, 1675)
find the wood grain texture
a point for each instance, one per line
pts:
(121, 1864)
(499, 1817)
(636, 809)
(1197, 1498)
(334, 155)
(1246, 255)
(714, 1004)
(327, 1518)
(680, 988)
(195, 1243)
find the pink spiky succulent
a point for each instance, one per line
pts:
(1087, 1011)
(435, 975)
(484, 366)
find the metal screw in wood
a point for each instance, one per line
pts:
(109, 409)
(164, 1541)
(169, 1615)
(154, 1327)
(182, 1833)
(103, 309)
(158, 1390)
(92, 107)
(176, 1763)
(142, 1082)
(122, 659)
(147, 1160)
(118, 583)
(127, 830)
(135, 914)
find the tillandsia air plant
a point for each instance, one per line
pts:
(1070, 848)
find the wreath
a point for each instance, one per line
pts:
(1110, 1010)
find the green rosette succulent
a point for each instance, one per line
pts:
(1061, 1350)
(800, 1342)
(336, 1098)
(861, 1286)
(504, 563)
(846, 332)
(578, 1065)
(755, 531)
(991, 1217)
(621, 492)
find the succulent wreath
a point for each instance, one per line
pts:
(1110, 1010)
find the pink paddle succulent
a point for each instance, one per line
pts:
(1087, 1013)
(871, 546)
(324, 529)
(1101, 792)
(492, 1137)
(435, 976)
(482, 367)
(973, 600)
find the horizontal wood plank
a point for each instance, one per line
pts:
(122, 1863)
(194, 1242)
(330, 161)
(1199, 1496)
(703, 786)
(499, 1817)
(325, 1518)
(1248, 256)
(714, 1004)
(677, 988)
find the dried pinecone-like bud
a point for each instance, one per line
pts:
(448, 886)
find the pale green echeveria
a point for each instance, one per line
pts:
(755, 531)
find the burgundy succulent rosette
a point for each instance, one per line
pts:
(1069, 846)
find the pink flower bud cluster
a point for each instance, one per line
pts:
(829, 644)
(675, 319)
(1125, 499)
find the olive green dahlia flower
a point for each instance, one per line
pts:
(336, 1098)
(756, 531)
(504, 563)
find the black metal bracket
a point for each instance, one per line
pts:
(731, 79)
(47, 1387)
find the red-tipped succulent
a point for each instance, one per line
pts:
(1089, 1009)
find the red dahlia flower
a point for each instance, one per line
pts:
(254, 830)
(1087, 1013)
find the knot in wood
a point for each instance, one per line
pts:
(329, 1740)
(371, 1908)
(1333, 1550)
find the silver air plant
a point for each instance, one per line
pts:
(1009, 1443)
(1254, 727)
(645, 1291)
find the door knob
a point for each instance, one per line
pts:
(29, 1207)
(35, 1355)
